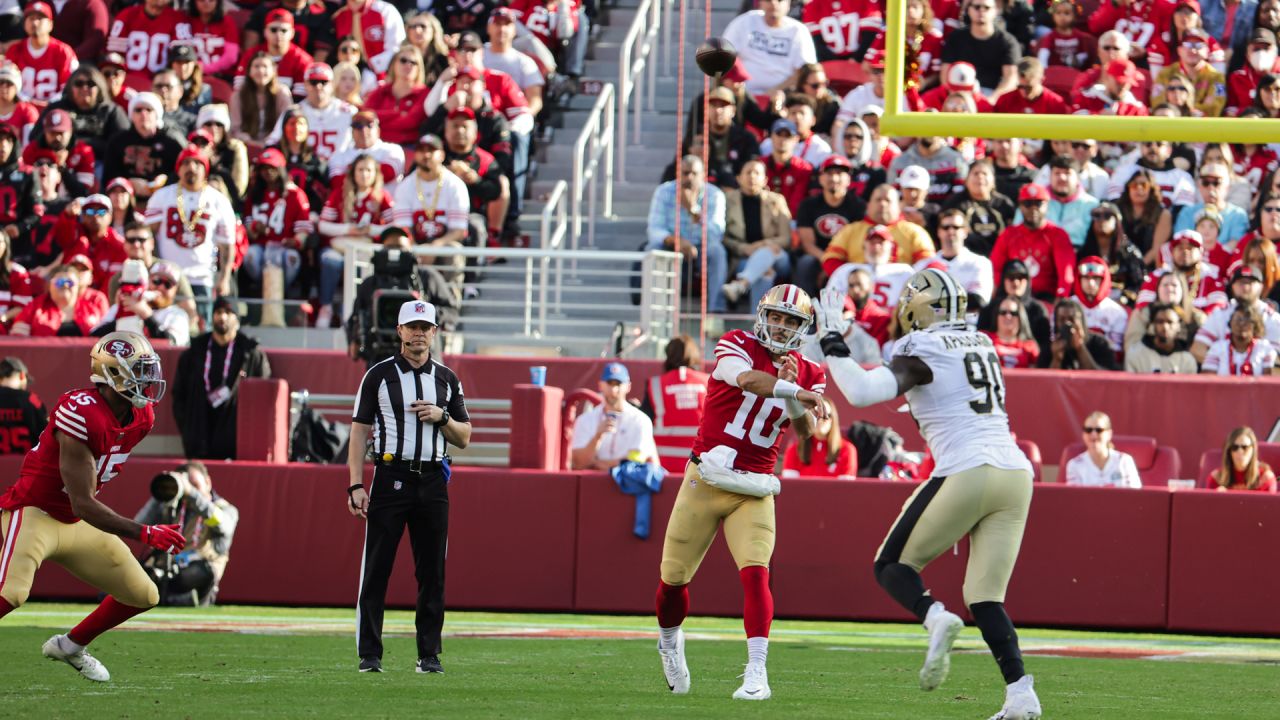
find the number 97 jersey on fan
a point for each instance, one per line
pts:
(961, 411)
(745, 422)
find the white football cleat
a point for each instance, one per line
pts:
(674, 666)
(86, 664)
(755, 684)
(1020, 701)
(944, 627)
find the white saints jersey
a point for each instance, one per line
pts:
(887, 280)
(961, 412)
(328, 128)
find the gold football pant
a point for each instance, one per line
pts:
(28, 537)
(698, 512)
(986, 503)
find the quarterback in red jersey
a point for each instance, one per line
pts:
(759, 385)
(89, 437)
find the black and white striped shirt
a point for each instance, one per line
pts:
(383, 401)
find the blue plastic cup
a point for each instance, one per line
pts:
(538, 375)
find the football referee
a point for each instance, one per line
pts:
(414, 408)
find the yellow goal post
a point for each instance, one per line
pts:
(897, 123)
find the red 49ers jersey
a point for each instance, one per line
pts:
(144, 40)
(748, 423)
(43, 75)
(837, 24)
(283, 215)
(372, 209)
(83, 415)
(542, 17)
(1140, 20)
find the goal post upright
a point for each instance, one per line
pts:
(895, 122)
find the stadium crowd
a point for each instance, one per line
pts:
(237, 148)
(1147, 257)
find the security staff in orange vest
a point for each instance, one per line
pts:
(674, 401)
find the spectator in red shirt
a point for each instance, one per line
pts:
(1241, 469)
(486, 185)
(82, 24)
(872, 317)
(789, 176)
(400, 100)
(960, 77)
(1031, 96)
(1065, 45)
(1043, 246)
(1112, 45)
(84, 228)
(14, 111)
(67, 308)
(1113, 94)
(45, 61)
(1260, 61)
(291, 61)
(215, 36)
(377, 26)
(75, 158)
(277, 218)
(141, 35)
(1012, 337)
(825, 454)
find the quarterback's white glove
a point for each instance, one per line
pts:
(830, 309)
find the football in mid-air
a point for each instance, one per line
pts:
(715, 56)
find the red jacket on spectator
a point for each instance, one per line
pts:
(289, 68)
(1093, 100)
(144, 40)
(108, 253)
(1141, 89)
(23, 117)
(1241, 85)
(83, 25)
(1206, 291)
(382, 33)
(543, 20)
(43, 75)
(1266, 479)
(504, 94)
(846, 464)
(1048, 253)
(17, 294)
(873, 318)
(1047, 103)
(1076, 49)
(790, 180)
(929, 56)
(1141, 21)
(677, 398)
(79, 160)
(217, 44)
(44, 318)
(400, 120)
(937, 96)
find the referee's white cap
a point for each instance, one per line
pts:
(417, 311)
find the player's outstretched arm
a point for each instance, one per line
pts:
(862, 387)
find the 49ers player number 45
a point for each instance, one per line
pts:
(90, 434)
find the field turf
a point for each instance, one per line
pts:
(233, 662)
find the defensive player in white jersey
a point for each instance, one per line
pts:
(981, 486)
(888, 277)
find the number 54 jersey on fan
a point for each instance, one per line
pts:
(961, 411)
(746, 422)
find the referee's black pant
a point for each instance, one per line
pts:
(397, 498)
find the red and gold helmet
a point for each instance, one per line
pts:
(788, 300)
(126, 363)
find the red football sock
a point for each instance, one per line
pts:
(673, 604)
(107, 615)
(5, 607)
(757, 601)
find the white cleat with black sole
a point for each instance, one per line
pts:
(944, 627)
(86, 664)
(674, 667)
(1020, 701)
(755, 684)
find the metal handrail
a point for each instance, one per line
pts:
(637, 48)
(594, 144)
(555, 228)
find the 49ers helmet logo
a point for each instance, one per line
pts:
(119, 348)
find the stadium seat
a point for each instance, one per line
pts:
(1032, 451)
(844, 75)
(1268, 453)
(1060, 78)
(220, 88)
(574, 404)
(1156, 465)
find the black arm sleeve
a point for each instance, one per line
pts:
(457, 405)
(367, 398)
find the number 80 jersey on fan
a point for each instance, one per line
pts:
(744, 421)
(961, 411)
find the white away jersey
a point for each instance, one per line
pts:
(961, 412)
(887, 280)
(190, 237)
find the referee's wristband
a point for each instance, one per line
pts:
(352, 490)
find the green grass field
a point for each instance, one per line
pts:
(285, 662)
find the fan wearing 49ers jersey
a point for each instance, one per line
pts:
(760, 384)
(142, 34)
(842, 29)
(45, 63)
(89, 437)
(277, 216)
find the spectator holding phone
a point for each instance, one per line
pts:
(609, 433)
(1241, 469)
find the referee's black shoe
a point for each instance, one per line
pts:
(430, 664)
(371, 664)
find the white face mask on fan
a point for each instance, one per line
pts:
(1262, 60)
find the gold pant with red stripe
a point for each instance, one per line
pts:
(28, 537)
(698, 513)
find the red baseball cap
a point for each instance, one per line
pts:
(1248, 272)
(39, 8)
(202, 133)
(118, 184)
(1189, 236)
(879, 232)
(464, 112)
(738, 73)
(43, 154)
(112, 59)
(79, 259)
(502, 14)
(319, 71)
(1193, 4)
(838, 162)
(192, 153)
(470, 72)
(279, 15)
(57, 121)
(1033, 191)
(1123, 70)
(271, 157)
